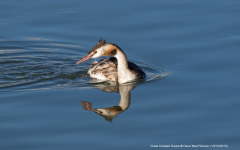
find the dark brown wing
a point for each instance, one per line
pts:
(136, 70)
(108, 66)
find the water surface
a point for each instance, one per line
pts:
(189, 50)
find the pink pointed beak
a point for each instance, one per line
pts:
(84, 59)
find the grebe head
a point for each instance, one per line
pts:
(101, 49)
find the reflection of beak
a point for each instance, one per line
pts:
(84, 59)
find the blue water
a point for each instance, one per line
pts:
(189, 50)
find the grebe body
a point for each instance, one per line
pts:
(116, 68)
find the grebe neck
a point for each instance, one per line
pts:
(125, 96)
(124, 73)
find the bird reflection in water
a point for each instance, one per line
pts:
(110, 113)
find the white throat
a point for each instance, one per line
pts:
(124, 73)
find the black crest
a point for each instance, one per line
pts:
(100, 43)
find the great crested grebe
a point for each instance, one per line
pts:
(116, 68)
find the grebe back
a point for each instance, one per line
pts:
(115, 68)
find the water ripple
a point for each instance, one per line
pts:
(45, 65)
